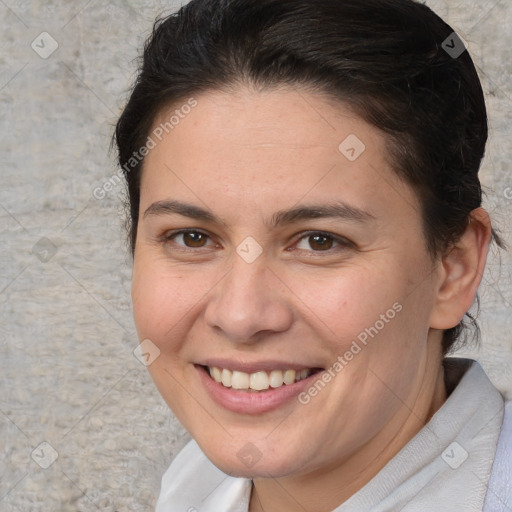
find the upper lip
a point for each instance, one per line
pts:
(255, 366)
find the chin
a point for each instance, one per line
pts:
(252, 462)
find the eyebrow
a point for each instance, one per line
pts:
(338, 210)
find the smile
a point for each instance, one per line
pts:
(258, 381)
(258, 389)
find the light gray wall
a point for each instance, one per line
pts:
(67, 373)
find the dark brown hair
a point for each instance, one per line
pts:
(389, 60)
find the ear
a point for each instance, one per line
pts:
(461, 271)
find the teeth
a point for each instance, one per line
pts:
(240, 380)
(216, 374)
(259, 381)
(289, 376)
(226, 378)
(276, 378)
(302, 375)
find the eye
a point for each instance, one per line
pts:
(318, 241)
(192, 239)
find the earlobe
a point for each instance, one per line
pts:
(462, 270)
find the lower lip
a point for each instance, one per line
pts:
(252, 403)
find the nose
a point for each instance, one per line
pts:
(250, 302)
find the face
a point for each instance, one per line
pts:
(272, 245)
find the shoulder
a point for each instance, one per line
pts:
(192, 482)
(499, 495)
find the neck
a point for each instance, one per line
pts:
(328, 488)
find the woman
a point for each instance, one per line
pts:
(308, 237)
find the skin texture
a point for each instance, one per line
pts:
(244, 156)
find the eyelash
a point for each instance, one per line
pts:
(342, 243)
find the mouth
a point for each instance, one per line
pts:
(253, 387)
(260, 381)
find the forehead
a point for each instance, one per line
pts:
(289, 118)
(258, 150)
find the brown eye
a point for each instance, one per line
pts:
(194, 239)
(190, 239)
(317, 241)
(320, 242)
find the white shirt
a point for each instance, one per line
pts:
(447, 466)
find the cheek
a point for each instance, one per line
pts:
(166, 299)
(344, 302)
(159, 299)
(375, 314)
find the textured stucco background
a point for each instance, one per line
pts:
(68, 376)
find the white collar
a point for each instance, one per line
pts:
(446, 466)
